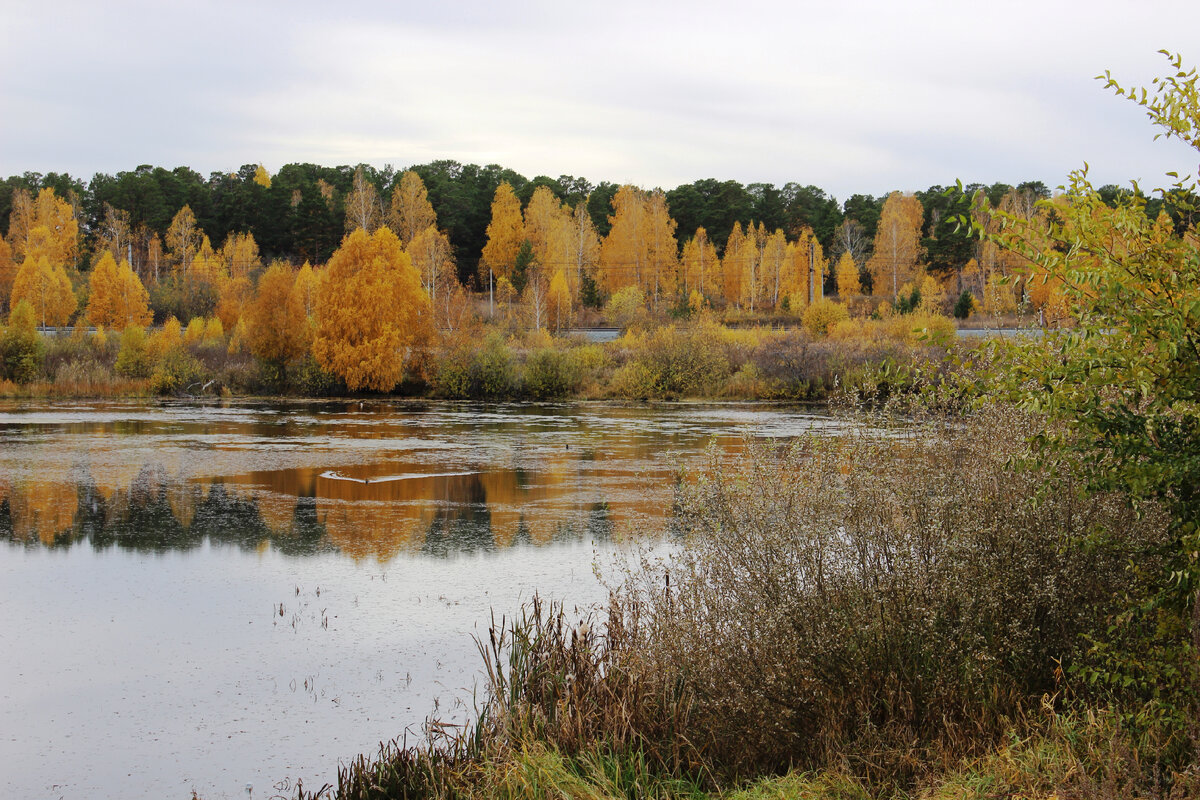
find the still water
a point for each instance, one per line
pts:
(210, 597)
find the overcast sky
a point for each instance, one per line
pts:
(852, 97)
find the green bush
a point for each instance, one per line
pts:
(134, 359)
(178, 371)
(551, 373)
(21, 347)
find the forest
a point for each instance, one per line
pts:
(270, 271)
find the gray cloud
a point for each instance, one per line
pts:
(865, 97)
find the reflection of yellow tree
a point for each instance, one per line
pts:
(43, 510)
(383, 518)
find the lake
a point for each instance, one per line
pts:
(210, 597)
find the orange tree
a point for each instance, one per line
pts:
(371, 311)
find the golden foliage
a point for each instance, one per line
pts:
(48, 290)
(262, 177)
(848, 282)
(897, 244)
(206, 265)
(183, 239)
(363, 207)
(410, 211)
(505, 232)
(53, 232)
(276, 325)
(700, 269)
(640, 249)
(8, 273)
(240, 254)
(233, 294)
(117, 297)
(371, 311)
(558, 302)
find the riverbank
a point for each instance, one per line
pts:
(705, 360)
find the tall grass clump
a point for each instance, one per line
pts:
(883, 599)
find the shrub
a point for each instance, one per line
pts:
(881, 593)
(134, 359)
(626, 307)
(551, 373)
(21, 347)
(177, 371)
(821, 315)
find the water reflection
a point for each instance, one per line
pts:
(301, 512)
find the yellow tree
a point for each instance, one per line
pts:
(8, 272)
(115, 232)
(183, 239)
(662, 250)
(117, 298)
(623, 251)
(732, 266)
(410, 211)
(42, 227)
(206, 266)
(700, 271)
(363, 207)
(505, 233)
(433, 258)
(20, 222)
(305, 288)
(371, 311)
(240, 254)
(776, 261)
(806, 271)
(848, 283)
(585, 247)
(262, 177)
(544, 218)
(558, 301)
(897, 253)
(48, 290)
(276, 325)
(233, 294)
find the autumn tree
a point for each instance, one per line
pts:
(206, 265)
(558, 301)
(662, 249)
(700, 269)
(117, 297)
(371, 311)
(363, 207)
(53, 232)
(847, 276)
(115, 233)
(549, 229)
(505, 233)
(276, 326)
(897, 253)
(183, 239)
(410, 211)
(585, 247)
(262, 177)
(806, 271)
(433, 258)
(8, 273)
(47, 289)
(240, 255)
(622, 252)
